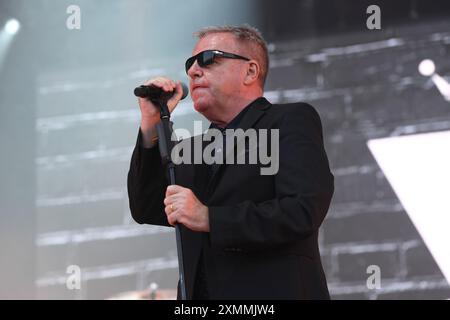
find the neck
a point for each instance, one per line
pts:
(232, 111)
(234, 107)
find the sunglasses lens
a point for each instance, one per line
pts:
(189, 63)
(206, 58)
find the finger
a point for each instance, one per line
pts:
(169, 85)
(173, 189)
(176, 97)
(167, 211)
(161, 82)
(157, 82)
(167, 201)
(171, 199)
(148, 82)
(172, 84)
(172, 219)
(178, 91)
(170, 208)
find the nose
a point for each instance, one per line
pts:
(195, 71)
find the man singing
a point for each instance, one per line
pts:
(245, 235)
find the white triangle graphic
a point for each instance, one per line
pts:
(418, 169)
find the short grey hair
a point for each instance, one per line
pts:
(248, 35)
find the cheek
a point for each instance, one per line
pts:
(231, 80)
(221, 84)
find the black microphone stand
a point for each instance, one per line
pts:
(165, 129)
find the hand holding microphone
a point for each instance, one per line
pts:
(159, 88)
(150, 112)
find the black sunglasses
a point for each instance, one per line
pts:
(207, 57)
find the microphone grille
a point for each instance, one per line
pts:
(185, 90)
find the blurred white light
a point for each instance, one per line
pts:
(427, 67)
(418, 169)
(442, 85)
(12, 26)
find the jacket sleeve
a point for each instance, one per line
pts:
(304, 186)
(147, 185)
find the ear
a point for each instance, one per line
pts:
(252, 72)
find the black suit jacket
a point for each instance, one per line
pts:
(263, 239)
